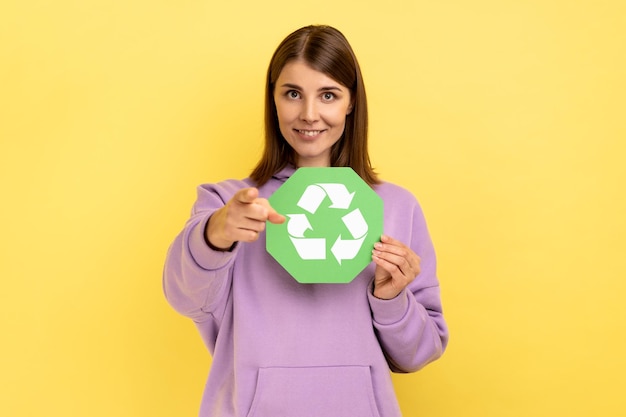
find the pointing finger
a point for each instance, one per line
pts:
(275, 218)
(272, 215)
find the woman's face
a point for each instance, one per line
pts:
(312, 110)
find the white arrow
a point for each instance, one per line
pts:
(310, 248)
(355, 223)
(298, 224)
(346, 249)
(312, 198)
(338, 194)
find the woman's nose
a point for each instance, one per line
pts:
(309, 111)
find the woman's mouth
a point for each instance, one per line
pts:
(308, 133)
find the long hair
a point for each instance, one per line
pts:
(324, 49)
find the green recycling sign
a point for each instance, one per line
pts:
(333, 220)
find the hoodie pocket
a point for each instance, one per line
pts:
(334, 391)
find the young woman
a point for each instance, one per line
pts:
(285, 349)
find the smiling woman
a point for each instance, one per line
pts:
(274, 340)
(325, 51)
(312, 110)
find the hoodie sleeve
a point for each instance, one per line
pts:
(411, 328)
(196, 278)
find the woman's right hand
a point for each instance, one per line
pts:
(241, 219)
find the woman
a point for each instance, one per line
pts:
(284, 349)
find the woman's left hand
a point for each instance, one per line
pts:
(396, 266)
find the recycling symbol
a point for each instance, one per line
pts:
(315, 248)
(333, 220)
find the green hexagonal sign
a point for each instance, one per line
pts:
(333, 219)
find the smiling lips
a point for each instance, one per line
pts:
(309, 133)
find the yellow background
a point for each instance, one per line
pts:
(505, 118)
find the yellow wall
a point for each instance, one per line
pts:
(505, 118)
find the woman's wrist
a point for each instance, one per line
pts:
(216, 244)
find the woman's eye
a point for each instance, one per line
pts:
(293, 94)
(328, 96)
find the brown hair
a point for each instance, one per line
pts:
(325, 49)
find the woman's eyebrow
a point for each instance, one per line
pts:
(294, 86)
(330, 88)
(297, 87)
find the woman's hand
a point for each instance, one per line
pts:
(242, 218)
(396, 266)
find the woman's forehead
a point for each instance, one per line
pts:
(299, 72)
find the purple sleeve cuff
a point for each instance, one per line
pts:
(387, 312)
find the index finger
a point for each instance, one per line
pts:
(272, 215)
(395, 246)
(391, 241)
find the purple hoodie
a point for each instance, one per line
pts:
(285, 349)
